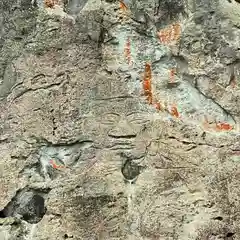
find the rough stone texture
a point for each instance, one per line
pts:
(84, 156)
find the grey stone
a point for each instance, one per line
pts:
(74, 121)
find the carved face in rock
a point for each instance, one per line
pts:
(118, 125)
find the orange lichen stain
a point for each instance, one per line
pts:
(170, 34)
(49, 3)
(148, 71)
(220, 126)
(150, 98)
(172, 75)
(147, 91)
(176, 31)
(127, 51)
(55, 165)
(147, 83)
(124, 12)
(158, 106)
(174, 111)
(123, 6)
(223, 126)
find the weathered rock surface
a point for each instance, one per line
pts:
(84, 156)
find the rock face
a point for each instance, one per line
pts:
(120, 120)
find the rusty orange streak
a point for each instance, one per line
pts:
(55, 165)
(172, 74)
(147, 88)
(220, 126)
(224, 126)
(49, 3)
(158, 106)
(123, 6)
(147, 83)
(174, 112)
(176, 31)
(127, 51)
(170, 33)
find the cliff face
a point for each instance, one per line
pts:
(119, 120)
